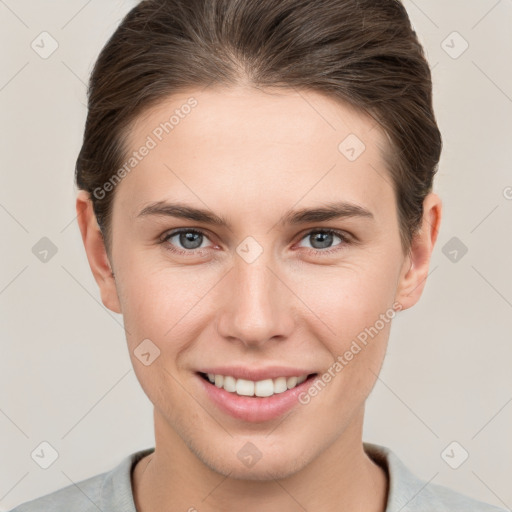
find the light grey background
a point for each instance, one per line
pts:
(65, 374)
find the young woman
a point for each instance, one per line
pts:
(256, 200)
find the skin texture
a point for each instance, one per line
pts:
(250, 156)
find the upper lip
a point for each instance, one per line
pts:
(256, 374)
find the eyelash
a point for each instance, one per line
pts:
(345, 240)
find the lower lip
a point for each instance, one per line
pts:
(254, 408)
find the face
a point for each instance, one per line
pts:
(259, 279)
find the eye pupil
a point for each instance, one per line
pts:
(325, 240)
(189, 238)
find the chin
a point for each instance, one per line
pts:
(262, 467)
(261, 471)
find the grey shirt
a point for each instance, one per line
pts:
(112, 491)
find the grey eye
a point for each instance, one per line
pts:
(321, 239)
(187, 239)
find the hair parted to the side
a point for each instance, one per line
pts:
(361, 52)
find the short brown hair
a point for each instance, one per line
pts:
(364, 52)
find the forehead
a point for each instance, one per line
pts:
(276, 116)
(217, 142)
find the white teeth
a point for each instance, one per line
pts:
(229, 383)
(244, 387)
(280, 385)
(264, 388)
(300, 380)
(291, 382)
(261, 388)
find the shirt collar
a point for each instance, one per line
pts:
(403, 485)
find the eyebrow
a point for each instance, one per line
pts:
(329, 211)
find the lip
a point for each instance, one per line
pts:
(256, 374)
(254, 409)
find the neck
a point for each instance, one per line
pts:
(342, 477)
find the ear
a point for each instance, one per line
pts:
(96, 252)
(415, 269)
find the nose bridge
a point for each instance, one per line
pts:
(256, 309)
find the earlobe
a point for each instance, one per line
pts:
(96, 253)
(415, 269)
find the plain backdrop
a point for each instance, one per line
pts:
(65, 375)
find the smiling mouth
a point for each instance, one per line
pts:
(255, 389)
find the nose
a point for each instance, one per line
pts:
(258, 306)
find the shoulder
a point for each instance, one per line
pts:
(408, 493)
(83, 496)
(107, 492)
(448, 500)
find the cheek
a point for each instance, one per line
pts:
(349, 298)
(162, 315)
(163, 303)
(353, 316)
